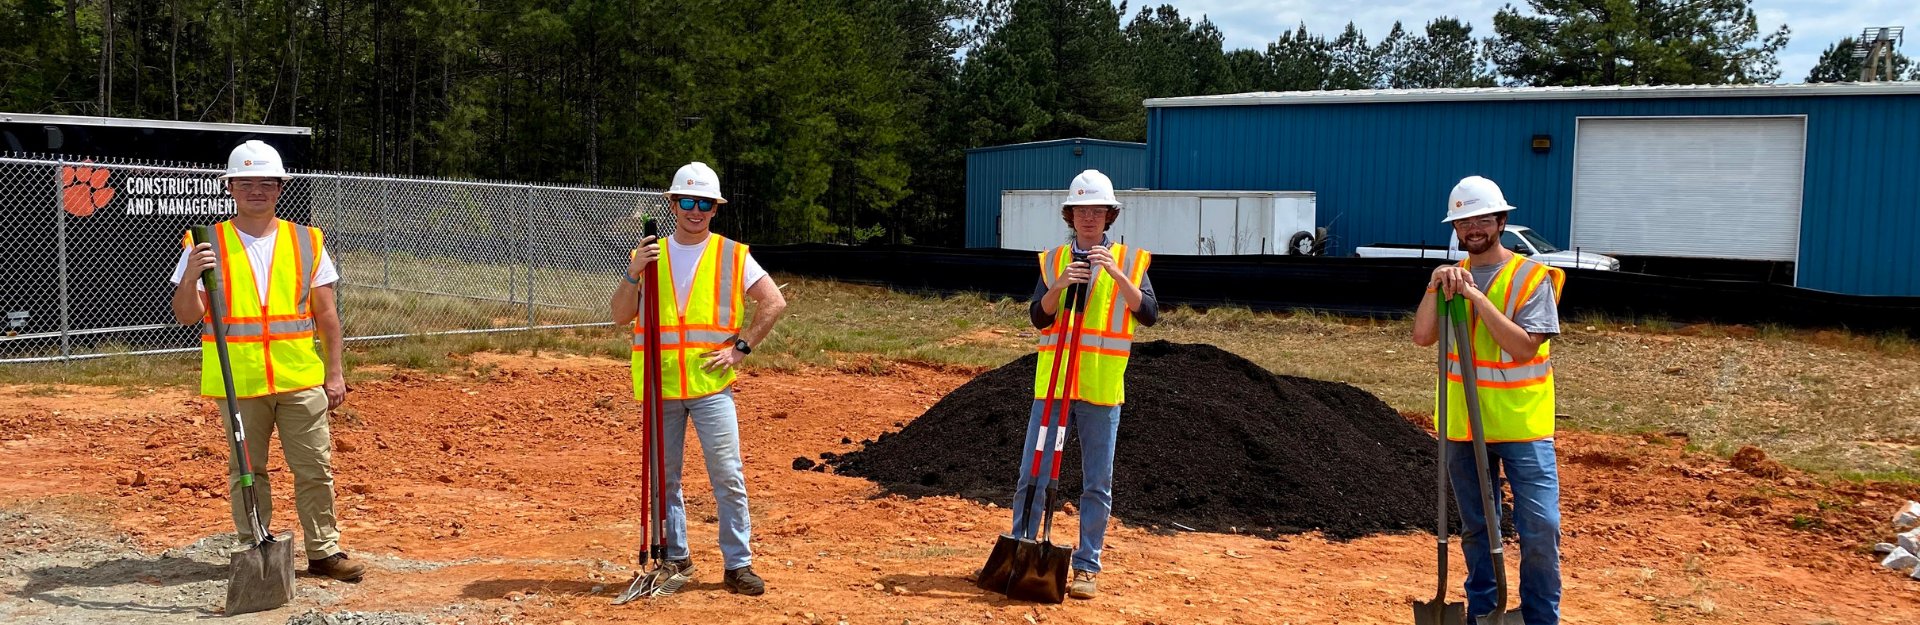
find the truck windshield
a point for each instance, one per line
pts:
(1538, 242)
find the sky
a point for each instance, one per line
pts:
(1816, 24)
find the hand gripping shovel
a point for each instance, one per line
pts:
(660, 580)
(1462, 324)
(1017, 557)
(1438, 611)
(262, 575)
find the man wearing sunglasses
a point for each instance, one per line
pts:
(703, 278)
(1514, 305)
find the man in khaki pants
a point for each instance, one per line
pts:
(277, 282)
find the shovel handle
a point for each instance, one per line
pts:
(1489, 500)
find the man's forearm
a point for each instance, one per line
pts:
(187, 307)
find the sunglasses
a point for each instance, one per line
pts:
(703, 205)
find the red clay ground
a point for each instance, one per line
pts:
(518, 472)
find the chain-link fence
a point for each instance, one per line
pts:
(87, 250)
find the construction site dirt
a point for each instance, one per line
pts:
(502, 491)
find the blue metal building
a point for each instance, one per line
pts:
(1041, 165)
(1826, 176)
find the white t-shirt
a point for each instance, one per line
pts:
(260, 255)
(686, 258)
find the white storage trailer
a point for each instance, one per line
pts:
(1200, 223)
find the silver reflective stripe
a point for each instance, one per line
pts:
(1089, 340)
(724, 307)
(707, 336)
(236, 329)
(303, 240)
(1119, 320)
(1515, 284)
(290, 327)
(1050, 264)
(1515, 374)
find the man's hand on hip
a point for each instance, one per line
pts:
(724, 358)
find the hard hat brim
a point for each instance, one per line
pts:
(711, 196)
(1476, 213)
(248, 174)
(1090, 203)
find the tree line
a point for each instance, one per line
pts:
(828, 120)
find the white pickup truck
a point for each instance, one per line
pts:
(1520, 239)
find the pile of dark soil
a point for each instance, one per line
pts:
(1208, 440)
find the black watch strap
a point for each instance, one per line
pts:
(740, 345)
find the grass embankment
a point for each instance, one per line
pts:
(1829, 402)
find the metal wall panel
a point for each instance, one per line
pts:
(1041, 165)
(1382, 171)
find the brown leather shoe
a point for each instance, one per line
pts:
(1083, 585)
(337, 567)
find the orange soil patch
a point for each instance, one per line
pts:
(529, 471)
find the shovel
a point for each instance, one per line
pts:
(659, 580)
(262, 574)
(1489, 498)
(1439, 611)
(1017, 561)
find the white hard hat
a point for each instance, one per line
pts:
(255, 159)
(696, 179)
(1473, 197)
(1091, 188)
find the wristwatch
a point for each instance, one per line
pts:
(740, 345)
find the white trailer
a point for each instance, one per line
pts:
(1201, 223)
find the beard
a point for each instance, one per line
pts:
(1477, 246)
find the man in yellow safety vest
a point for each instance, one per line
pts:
(1121, 297)
(1515, 306)
(278, 287)
(702, 279)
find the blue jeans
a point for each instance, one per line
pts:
(1530, 468)
(718, 427)
(1097, 426)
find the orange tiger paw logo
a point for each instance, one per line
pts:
(84, 189)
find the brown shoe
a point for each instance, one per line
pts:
(337, 567)
(1083, 585)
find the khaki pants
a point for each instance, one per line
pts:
(301, 418)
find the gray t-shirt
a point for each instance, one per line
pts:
(1538, 315)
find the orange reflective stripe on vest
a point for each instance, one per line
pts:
(716, 301)
(271, 346)
(1516, 396)
(1106, 339)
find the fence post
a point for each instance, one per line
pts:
(386, 235)
(527, 203)
(339, 297)
(60, 215)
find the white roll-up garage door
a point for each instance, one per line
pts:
(1702, 187)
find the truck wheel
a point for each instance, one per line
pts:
(1301, 244)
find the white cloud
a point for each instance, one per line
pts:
(1815, 23)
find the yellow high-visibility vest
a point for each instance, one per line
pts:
(1106, 339)
(715, 304)
(271, 347)
(1516, 396)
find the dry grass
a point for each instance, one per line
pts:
(1832, 402)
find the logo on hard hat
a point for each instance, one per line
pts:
(1456, 204)
(246, 163)
(689, 182)
(1080, 192)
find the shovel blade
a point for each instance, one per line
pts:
(1039, 572)
(1510, 617)
(993, 576)
(1439, 613)
(261, 576)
